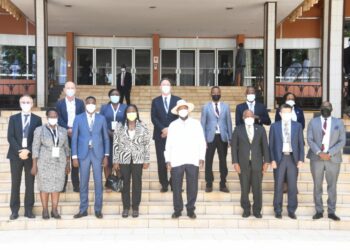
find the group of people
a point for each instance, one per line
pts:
(115, 139)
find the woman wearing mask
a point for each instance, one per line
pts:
(51, 161)
(297, 113)
(131, 155)
(114, 112)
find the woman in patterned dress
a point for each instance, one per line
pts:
(51, 161)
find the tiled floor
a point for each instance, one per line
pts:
(175, 239)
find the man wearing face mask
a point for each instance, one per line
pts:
(20, 135)
(250, 158)
(68, 108)
(184, 152)
(326, 137)
(124, 84)
(217, 125)
(90, 147)
(261, 116)
(287, 156)
(161, 117)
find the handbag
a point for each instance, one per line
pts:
(114, 182)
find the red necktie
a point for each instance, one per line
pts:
(324, 132)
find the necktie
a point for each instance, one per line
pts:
(250, 134)
(286, 134)
(217, 110)
(122, 79)
(324, 133)
(251, 107)
(26, 127)
(91, 123)
(166, 104)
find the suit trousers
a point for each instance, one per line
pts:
(74, 173)
(287, 167)
(221, 147)
(84, 167)
(177, 175)
(320, 169)
(133, 171)
(125, 93)
(17, 166)
(251, 177)
(162, 169)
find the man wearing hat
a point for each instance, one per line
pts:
(184, 152)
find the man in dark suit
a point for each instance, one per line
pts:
(250, 158)
(67, 109)
(124, 84)
(260, 112)
(287, 156)
(240, 65)
(20, 137)
(161, 118)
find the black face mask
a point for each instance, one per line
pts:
(216, 97)
(326, 112)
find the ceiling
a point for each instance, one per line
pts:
(170, 18)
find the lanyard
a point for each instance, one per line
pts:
(54, 137)
(115, 111)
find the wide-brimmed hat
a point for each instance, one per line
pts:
(181, 103)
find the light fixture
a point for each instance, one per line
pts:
(68, 5)
(152, 7)
(229, 8)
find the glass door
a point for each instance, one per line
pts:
(225, 68)
(187, 69)
(103, 67)
(124, 57)
(169, 65)
(142, 67)
(207, 68)
(84, 73)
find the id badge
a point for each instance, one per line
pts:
(24, 143)
(286, 147)
(114, 125)
(55, 152)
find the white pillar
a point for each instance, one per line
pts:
(325, 35)
(270, 13)
(41, 52)
(335, 54)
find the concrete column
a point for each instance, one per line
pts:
(41, 52)
(270, 13)
(325, 36)
(70, 55)
(156, 59)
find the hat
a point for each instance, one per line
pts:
(180, 103)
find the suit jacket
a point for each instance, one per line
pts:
(127, 82)
(81, 136)
(62, 111)
(15, 134)
(159, 117)
(107, 111)
(276, 142)
(337, 139)
(241, 147)
(209, 120)
(298, 111)
(259, 110)
(240, 58)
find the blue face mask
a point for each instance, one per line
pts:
(114, 98)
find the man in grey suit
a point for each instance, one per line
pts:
(326, 137)
(217, 126)
(250, 158)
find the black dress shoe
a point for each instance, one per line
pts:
(80, 215)
(192, 215)
(209, 189)
(76, 189)
(125, 213)
(29, 215)
(55, 214)
(175, 215)
(135, 213)
(333, 217)
(317, 216)
(224, 189)
(45, 214)
(292, 216)
(278, 215)
(246, 214)
(14, 216)
(164, 189)
(99, 215)
(258, 215)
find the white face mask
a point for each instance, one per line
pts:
(290, 102)
(91, 108)
(286, 117)
(251, 97)
(26, 107)
(165, 89)
(249, 121)
(115, 98)
(52, 121)
(183, 113)
(70, 92)
(123, 70)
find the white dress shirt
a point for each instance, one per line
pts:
(168, 97)
(327, 136)
(23, 119)
(219, 108)
(285, 139)
(71, 112)
(294, 115)
(251, 106)
(185, 143)
(250, 133)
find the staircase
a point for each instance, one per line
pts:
(214, 210)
